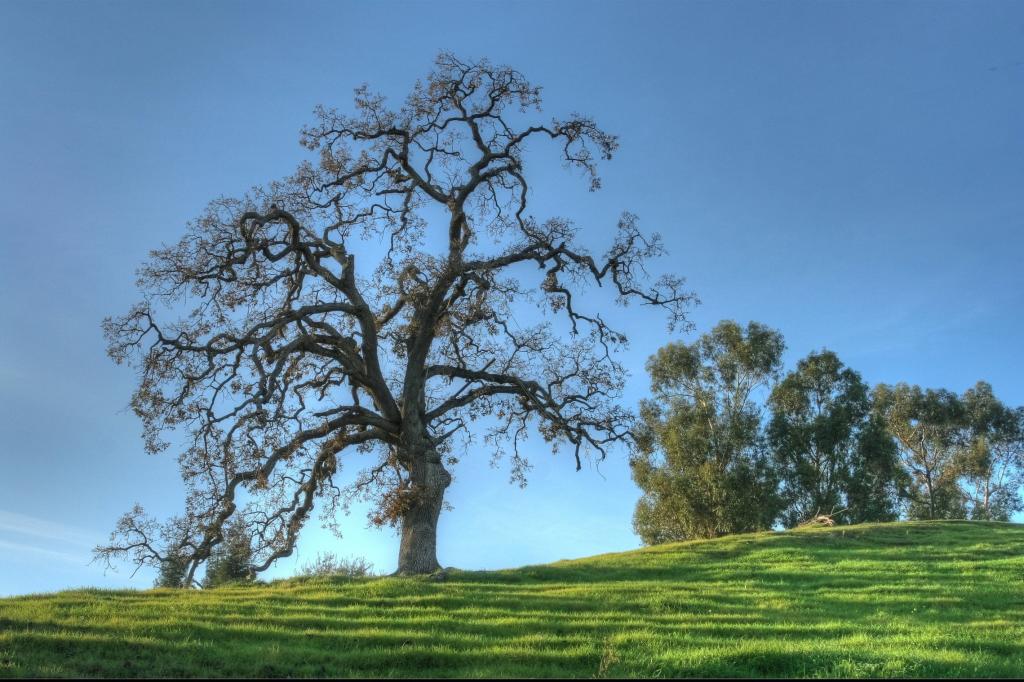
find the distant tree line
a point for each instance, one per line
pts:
(729, 443)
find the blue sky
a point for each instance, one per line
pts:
(848, 172)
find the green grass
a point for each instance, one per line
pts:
(909, 599)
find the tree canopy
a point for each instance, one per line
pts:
(830, 456)
(701, 463)
(728, 444)
(291, 356)
(927, 425)
(991, 464)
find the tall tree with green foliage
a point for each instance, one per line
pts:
(821, 441)
(876, 488)
(928, 426)
(992, 459)
(701, 463)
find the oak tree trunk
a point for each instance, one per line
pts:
(418, 552)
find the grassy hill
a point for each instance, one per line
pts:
(907, 599)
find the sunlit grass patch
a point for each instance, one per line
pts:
(911, 599)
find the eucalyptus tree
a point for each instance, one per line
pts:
(828, 453)
(876, 489)
(295, 357)
(928, 427)
(992, 460)
(701, 463)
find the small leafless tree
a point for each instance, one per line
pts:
(289, 357)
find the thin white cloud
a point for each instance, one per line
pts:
(46, 530)
(77, 559)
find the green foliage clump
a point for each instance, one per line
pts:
(708, 463)
(173, 571)
(231, 560)
(829, 453)
(991, 464)
(926, 425)
(701, 463)
(875, 488)
(964, 455)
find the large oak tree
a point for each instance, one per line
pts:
(291, 356)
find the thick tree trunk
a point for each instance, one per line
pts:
(418, 552)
